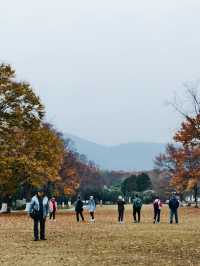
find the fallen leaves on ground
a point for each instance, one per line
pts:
(103, 243)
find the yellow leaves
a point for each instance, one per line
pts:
(6, 72)
(186, 159)
(191, 184)
(68, 191)
(71, 172)
(33, 150)
(19, 106)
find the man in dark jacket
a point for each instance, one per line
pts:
(173, 205)
(121, 209)
(79, 209)
(137, 206)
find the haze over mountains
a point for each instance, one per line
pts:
(135, 156)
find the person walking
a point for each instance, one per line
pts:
(121, 209)
(79, 209)
(52, 208)
(91, 208)
(38, 211)
(157, 205)
(173, 206)
(137, 205)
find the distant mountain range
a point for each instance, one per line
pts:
(128, 157)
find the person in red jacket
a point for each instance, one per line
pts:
(157, 205)
(52, 208)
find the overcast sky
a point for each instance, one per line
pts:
(105, 68)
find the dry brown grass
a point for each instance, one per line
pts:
(104, 243)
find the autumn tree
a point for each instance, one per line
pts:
(31, 152)
(70, 178)
(182, 161)
(78, 174)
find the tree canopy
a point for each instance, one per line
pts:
(182, 161)
(30, 150)
(136, 183)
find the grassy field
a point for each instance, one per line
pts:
(104, 243)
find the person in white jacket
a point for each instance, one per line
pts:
(91, 208)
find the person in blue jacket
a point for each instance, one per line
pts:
(39, 208)
(91, 208)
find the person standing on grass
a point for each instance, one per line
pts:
(79, 209)
(91, 208)
(52, 208)
(121, 209)
(157, 205)
(137, 205)
(38, 211)
(173, 206)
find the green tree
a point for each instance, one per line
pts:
(129, 185)
(143, 182)
(136, 183)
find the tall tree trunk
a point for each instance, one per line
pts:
(27, 191)
(195, 196)
(181, 196)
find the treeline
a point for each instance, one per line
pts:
(128, 185)
(32, 152)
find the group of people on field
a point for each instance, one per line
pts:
(91, 207)
(157, 206)
(137, 206)
(41, 207)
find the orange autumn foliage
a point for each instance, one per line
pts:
(183, 161)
